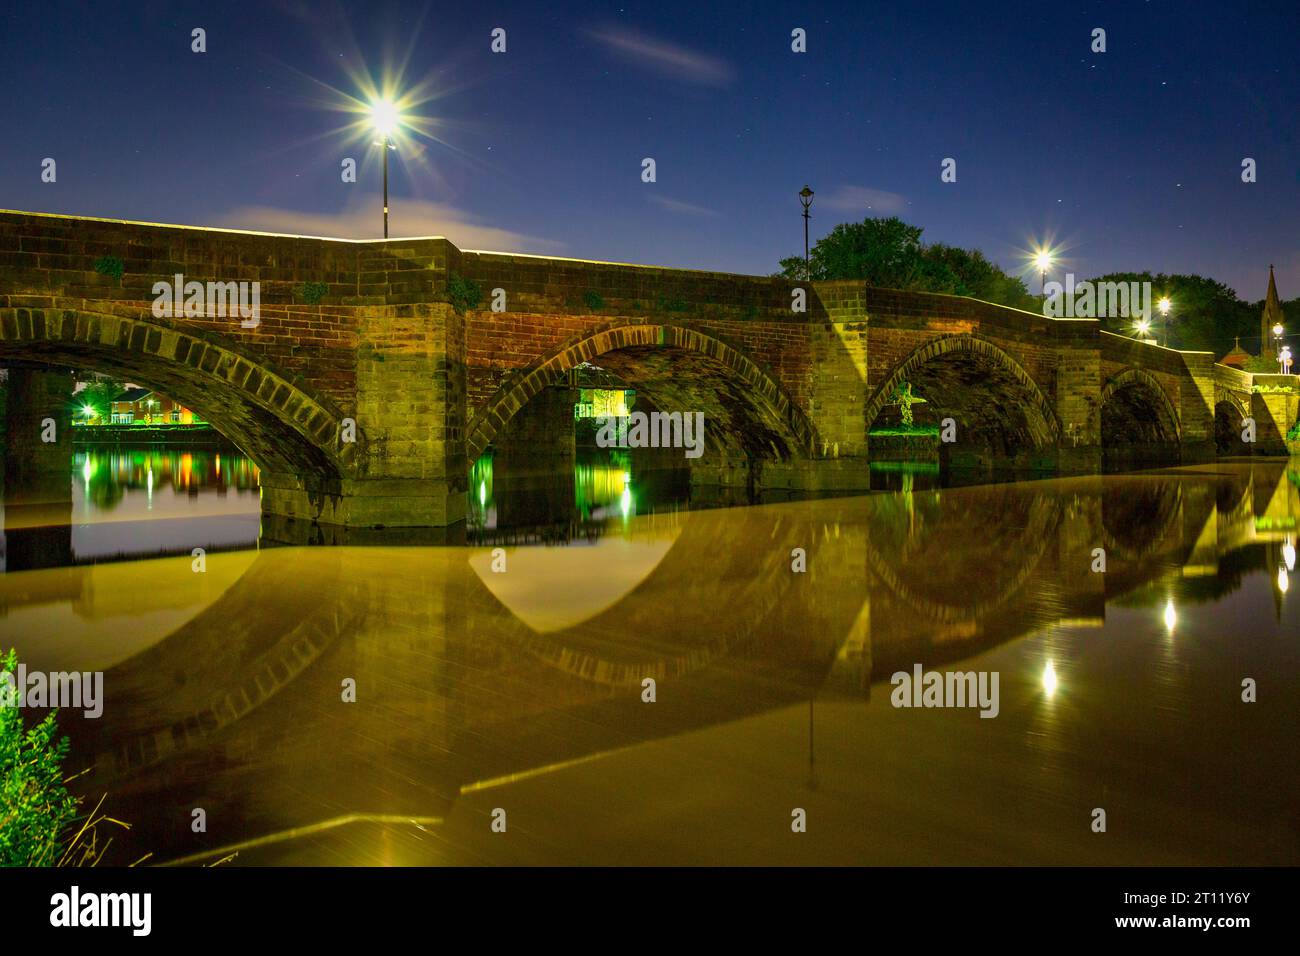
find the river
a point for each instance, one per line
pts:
(386, 705)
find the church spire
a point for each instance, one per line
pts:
(1272, 314)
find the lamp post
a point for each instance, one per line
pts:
(1043, 260)
(1277, 342)
(806, 198)
(384, 118)
(1164, 305)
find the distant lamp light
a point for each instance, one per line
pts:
(1288, 554)
(88, 411)
(1171, 616)
(1278, 330)
(1143, 327)
(1163, 305)
(1283, 580)
(1049, 679)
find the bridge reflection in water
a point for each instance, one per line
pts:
(522, 690)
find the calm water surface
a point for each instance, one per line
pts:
(522, 690)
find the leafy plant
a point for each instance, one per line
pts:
(904, 399)
(110, 266)
(1273, 389)
(35, 806)
(464, 293)
(311, 292)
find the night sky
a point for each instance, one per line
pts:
(1130, 159)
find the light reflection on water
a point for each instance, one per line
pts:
(523, 688)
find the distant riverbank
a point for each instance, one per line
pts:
(204, 435)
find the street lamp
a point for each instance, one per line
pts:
(1277, 341)
(1163, 305)
(384, 118)
(1043, 260)
(1142, 327)
(806, 198)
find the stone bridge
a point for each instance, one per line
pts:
(379, 370)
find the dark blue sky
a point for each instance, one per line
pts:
(1131, 159)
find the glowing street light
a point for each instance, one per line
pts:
(1043, 262)
(385, 118)
(1164, 306)
(1143, 328)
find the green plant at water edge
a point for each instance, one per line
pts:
(1272, 389)
(35, 806)
(464, 293)
(311, 292)
(905, 431)
(110, 266)
(904, 399)
(1293, 434)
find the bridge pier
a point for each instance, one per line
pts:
(1196, 408)
(407, 461)
(38, 473)
(1274, 413)
(1078, 408)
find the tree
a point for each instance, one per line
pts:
(889, 254)
(973, 275)
(99, 394)
(1206, 315)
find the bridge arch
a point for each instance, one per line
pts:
(1231, 409)
(1136, 411)
(279, 424)
(986, 390)
(679, 369)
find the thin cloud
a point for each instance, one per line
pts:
(407, 218)
(684, 208)
(667, 58)
(862, 198)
